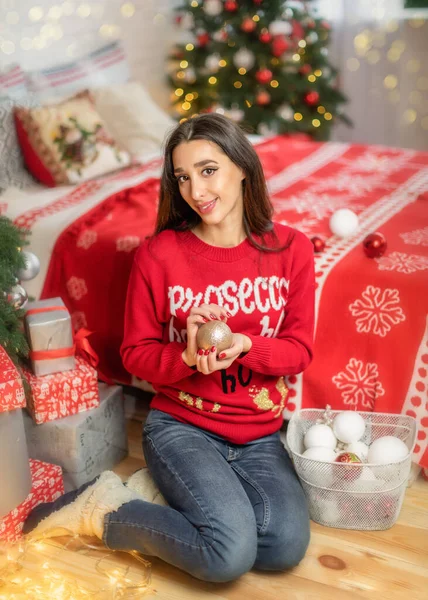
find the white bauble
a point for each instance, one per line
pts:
(320, 453)
(187, 21)
(359, 448)
(244, 58)
(211, 63)
(286, 112)
(387, 449)
(343, 222)
(349, 426)
(190, 75)
(312, 37)
(320, 435)
(212, 8)
(236, 114)
(280, 28)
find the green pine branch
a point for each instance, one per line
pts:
(12, 336)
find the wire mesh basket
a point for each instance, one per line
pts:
(353, 495)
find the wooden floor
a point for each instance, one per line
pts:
(339, 564)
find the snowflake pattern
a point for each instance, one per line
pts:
(372, 161)
(359, 384)
(127, 243)
(306, 226)
(402, 263)
(76, 288)
(416, 237)
(319, 205)
(355, 185)
(377, 311)
(86, 239)
(78, 320)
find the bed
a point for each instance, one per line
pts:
(371, 342)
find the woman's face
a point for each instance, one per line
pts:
(209, 181)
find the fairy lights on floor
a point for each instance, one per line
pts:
(28, 571)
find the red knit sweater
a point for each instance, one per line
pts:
(271, 299)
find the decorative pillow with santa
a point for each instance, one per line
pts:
(67, 143)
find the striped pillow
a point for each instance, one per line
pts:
(12, 83)
(103, 67)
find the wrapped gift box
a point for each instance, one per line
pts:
(11, 391)
(47, 485)
(61, 394)
(15, 476)
(86, 444)
(50, 336)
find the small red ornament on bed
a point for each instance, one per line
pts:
(319, 244)
(374, 245)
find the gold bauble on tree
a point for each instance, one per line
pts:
(214, 333)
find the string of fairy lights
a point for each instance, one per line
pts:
(31, 570)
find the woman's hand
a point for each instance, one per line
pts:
(197, 317)
(207, 361)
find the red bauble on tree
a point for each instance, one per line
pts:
(298, 31)
(311, 98)
(230, 6)
(374, 245)
(203, 39)
(263, 98)
(264, 76)
(305, 69)
(265, 37)
(319, 244)
(248, 25)
(279, 45)
(258, 2)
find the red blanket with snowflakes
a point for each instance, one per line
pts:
(371, 344)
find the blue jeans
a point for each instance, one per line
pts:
(231, 507)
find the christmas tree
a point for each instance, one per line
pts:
(263, 63)
(12, 295)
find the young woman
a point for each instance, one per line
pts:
(211, 440)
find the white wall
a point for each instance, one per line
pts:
(41, 33)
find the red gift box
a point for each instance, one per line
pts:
(11, 391)
(47, 485)
(61, 394)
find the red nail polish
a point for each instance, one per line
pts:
(206, 352)
(222, 355)
(205, 320)
(200, 352)
(213, 317)
(228, 314)
(213, 349)
(222, 317)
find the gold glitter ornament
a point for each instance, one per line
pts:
(214, 333)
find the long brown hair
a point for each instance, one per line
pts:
(175, 213)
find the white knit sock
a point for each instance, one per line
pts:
(142, 483)
(85, 515)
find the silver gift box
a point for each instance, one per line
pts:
(49, 330)
(85, 444)
(15, 475)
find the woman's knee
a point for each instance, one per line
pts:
(229, 560)
(284, 548)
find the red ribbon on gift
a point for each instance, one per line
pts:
(81, 345)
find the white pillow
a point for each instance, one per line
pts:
(132, 117)
(105, 66)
